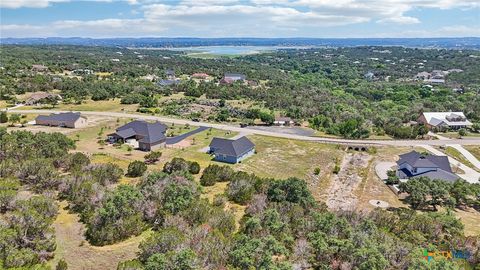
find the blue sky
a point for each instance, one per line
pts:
(240, 18)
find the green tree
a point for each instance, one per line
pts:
(14, 118)
(3, 117)
(136, 168)
(119, 217)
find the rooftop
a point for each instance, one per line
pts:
(150, 132)
(231, 147)
(64, 117)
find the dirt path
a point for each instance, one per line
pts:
(79, 254)
(341, 194)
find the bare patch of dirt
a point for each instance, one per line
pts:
(341, 195)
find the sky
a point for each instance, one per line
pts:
(240, 18)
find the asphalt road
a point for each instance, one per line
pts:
(249, 131)
(179, 138)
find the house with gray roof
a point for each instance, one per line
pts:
(143, 135)
(416, 164)
(69, 119)
(231, 151)
(230, 78)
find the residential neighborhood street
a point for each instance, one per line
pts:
(246, 130)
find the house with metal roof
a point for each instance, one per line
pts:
(444, 120)
(283, 121)
(231, 151)
(416, 164)
(230, 78)
(143, 135)
(69, 119)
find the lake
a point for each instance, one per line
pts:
(230, 50)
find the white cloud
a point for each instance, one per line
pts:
(28, 3)
(219, 18)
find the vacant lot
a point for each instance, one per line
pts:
(79, 254)
(112, 105)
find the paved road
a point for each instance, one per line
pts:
(466, 154)
(470, 175)
(248, 131)
(179, 138)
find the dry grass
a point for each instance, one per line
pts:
(450, 151)
(474, 149)
(470, 218)
(372, 188)
(112, 105)
(79, 254)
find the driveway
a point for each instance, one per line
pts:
(285, 130)
(179, 138)
(383, 167)
(466, 154)
(470, 175)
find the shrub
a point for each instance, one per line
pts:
(214, 173)
(153, 156)
(176, 165)
(336, 169)
(194, 167)
(291, 190)
(61, 265)
(119, 217)
(136, 168)
(77, 161)
(241, 188)
(3, 117)
(316, 171)
(181, 165)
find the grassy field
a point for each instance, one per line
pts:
(470, 218)
(454, 135)
(112, 105)
(79, 254)
(3, 104)
(474, 149)
(454, 153)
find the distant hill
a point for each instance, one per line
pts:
(458, 43)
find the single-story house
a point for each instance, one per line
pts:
(202, 76)
(369, 76)
(231, 151)
(143, 135)
(435, 81)
(423, 75)
(39, 68)
(283, 121)
(69, 119)
(229, 78)
(415, 164)
(168, 82)
(39, 97)
(170, 73)
(444, 120)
